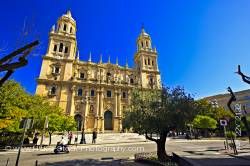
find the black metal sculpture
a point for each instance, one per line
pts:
(243, 117)
(8, 64)
(232, 99)
(229, 103)
(246, 79)
(243, 76)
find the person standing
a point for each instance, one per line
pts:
(94, 136)
(35, 139)
(70, 136)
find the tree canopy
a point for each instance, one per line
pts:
(204, 122)
(158, 112)
(16, 104)
(203, 107)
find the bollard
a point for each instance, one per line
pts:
(36, 162)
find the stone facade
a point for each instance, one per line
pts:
(94, 93)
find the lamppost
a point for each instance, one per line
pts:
(83, 140)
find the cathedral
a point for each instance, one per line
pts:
(94, 93)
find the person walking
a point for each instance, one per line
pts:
(94, 136)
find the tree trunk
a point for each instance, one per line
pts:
(50, 134)
(161, 151)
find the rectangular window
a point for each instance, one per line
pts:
(109, 94)
(66, 50)
(55, 47)
(82, 75)
(79, 92)
(92, 93)
(124, 95)
(57, 70)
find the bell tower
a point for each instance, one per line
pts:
(58, 61)
(146, 62)
(62, 38)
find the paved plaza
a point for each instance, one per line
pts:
(197, 152)
(106, 138)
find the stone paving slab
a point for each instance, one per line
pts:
(203, 158)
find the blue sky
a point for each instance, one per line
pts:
(200, 42)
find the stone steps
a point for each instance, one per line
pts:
(101, 138)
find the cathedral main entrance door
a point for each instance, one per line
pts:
(79, 120)
(108, 121)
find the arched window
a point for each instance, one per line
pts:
(55, 47)
(70, 30)
(148, 61)
(61, 47)
(131, 80)
(79, 92)
(53, 90)
(65, 27)
(146, 43)
(142, 44)
(145, 61)
(56, 70)
(153, 63)
(66, 50)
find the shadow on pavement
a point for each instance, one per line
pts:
(87, 162)
(44, 154)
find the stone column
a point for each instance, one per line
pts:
(86, 111)
(101, 98)
(72, 107)
(119, 103)
(116, 103)
(97, 110)
(119, 111)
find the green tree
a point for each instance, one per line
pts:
(158, 112)
(55, 124)
(39, 108)
(69, 124)
(13, 105)
(205, 108)
(205, 123)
